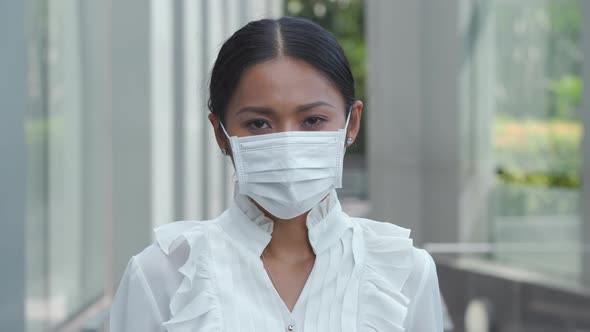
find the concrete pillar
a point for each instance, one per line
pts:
(13, 93)
(444, 128)
(131, 132)
(96, 116)
(424, 149)
(395, 125)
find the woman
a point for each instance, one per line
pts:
(284, 256)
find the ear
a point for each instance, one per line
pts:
(354, 124)
(220, 137)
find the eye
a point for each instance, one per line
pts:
(313, 121)
(258, 124)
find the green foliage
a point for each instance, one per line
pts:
(567, 94)
(537, 130)
(539, 58)
(564, 58)
(344, 19)
(570, 180)
(565, 18)
(538, 153)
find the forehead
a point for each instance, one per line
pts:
(283, 83)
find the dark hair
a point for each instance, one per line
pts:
(266, 39)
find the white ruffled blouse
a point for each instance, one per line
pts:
(208, 276)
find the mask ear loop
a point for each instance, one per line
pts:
(225, 132)
(223, 128)
(348, 118)
(346, 144)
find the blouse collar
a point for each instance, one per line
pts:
(245, 223)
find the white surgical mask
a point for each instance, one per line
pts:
(288, 173)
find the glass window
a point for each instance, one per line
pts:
(537, 135)
(67, 201)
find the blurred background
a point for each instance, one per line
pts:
(473, 137)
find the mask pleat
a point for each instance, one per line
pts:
(289, 173)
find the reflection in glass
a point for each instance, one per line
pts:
(66, 195)
(538, 133)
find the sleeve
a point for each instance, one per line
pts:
(426, 310)
(134, 307)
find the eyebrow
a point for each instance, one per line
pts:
(269, 111)
(309, 106)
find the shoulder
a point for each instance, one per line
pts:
(373, 227)
(394, 271)
(180, 250)
(407, 273)
(423, 273)
(176, 242)
(172, 246)
(425, 312)
(165, 277)
(392, 245)
(179, 234)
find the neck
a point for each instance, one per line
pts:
(290, 241)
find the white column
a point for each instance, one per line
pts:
(232, 24)
(195, 113)
(215, 170)
(179, 172)
(13, 94)
(162, 111)
(65, 138)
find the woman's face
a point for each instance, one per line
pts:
(284, 94)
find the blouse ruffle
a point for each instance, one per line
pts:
(194, 303)
(389, 261)
(384, 257)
